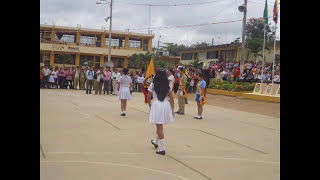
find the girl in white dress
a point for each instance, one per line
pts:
(161, 109)
(124, 86)
(51, 77)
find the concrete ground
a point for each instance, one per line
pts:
(83, 137)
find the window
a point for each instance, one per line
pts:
(134, 44)
(186, 56)
(65, 59)
(114, 42)
(212, 55)
(86, 61)
(65, 38)
(196, 56)
(88, 40)
(41, 58)
(97, 62)
(117, 62)
(145, 45)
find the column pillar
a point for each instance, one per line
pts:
(102, 61)
(103, 40)
(52, 58)
(77, 59)
(126, 44)
(78, 38)
(150, 45)
(53, 36)
(125, 63)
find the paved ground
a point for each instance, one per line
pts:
(83, 137)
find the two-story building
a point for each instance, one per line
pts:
(228, 52)
(89, 47)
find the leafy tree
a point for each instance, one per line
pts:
(200, 46)
(158, 63)
(254, 46)
(142, 59)
(196, 63)
(255, 29)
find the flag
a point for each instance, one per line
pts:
(265, 14)
(275, 12)
(188, 79)
(148, 79)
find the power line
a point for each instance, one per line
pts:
(186, 4)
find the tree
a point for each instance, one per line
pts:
(158, 63)
(255, 29)
(254, 46)
(200, 46)
(175, 49)
(196, 63)
(142, 59)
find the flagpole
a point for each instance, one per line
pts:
(264, 39)
(274, 51)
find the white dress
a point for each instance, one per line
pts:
(161, 112)
(51, 78)
(124, 91)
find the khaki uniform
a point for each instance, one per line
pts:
(181, 100)
(82, 80)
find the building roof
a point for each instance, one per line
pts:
(100, 31)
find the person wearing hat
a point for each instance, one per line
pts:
(181, 90)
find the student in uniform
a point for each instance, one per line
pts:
(161, 108)
(200, 95)
(124, 85)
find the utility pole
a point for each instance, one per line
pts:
(243, 9)
(149, 20)
(110, 31)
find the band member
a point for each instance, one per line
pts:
(161, 108)
(200, 95)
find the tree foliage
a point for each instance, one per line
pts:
(254, 46)
(255, 29)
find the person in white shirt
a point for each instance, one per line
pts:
(123, 86)
(76, 73)
(249, 66)
(100, 80)
(51, 77)
(277, 78)
(115, 78)
(140, 80)
(46, 73)
(170, 78)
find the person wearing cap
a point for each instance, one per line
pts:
(181, 90)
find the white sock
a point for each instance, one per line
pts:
(161, 142)
(157, 139)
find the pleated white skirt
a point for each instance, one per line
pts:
(124, 93)
(161, 112)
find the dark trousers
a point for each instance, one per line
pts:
(140, 87)
(89, 86)
(70, 84)
(175, 87)
(106, 86)
(63, 82)
(41, 82)
(44, 81)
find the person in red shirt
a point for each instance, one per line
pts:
(41, 76)
(236, 74)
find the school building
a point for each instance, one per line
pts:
(89, 47)
(228, 52)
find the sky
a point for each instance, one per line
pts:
(136, 18)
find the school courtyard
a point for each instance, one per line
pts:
(83, 137)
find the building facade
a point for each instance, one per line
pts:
(89, 47)
(227, 52)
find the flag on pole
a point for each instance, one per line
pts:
(148, 79)
(275, 12)
(265, 14)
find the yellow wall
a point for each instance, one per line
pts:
(77, 59)
(126, 43)
(52, 59)
(102, 61)
(125, 63)
(150, 45)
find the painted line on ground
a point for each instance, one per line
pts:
(114, 164)
(189, 167)
(231, 141)
(108, 122)
(42, 152)
(234, 159)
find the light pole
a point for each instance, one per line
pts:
(243, 9)
(110, 64)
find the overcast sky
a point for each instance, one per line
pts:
(136, 17)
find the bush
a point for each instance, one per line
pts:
(231, 86)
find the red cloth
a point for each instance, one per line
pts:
(145, 92)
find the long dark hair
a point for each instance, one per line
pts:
(161, 85)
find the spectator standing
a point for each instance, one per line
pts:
(76, 78)
(100, 80)
(107, 81)
(46, 73)
(236, 74)
(140, 81)
(51, 77)
(41, 77)
(69, 75)
(82, 78)
(89, 74)
(115, 78)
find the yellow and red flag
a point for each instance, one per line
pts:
(148, 79)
